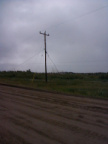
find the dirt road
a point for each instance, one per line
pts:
(34, 117)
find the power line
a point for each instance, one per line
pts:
(29, 58)
(80, 16)
(53, 63)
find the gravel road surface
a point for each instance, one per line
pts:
(35, 117)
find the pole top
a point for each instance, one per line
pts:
(44, 33)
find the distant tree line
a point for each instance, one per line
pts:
(61, 75)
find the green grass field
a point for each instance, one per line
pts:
(93, 85)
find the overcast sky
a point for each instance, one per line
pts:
(78, 40)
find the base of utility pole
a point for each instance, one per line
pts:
(45, 55)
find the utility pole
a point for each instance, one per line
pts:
(45, 54)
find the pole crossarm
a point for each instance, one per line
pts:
(44, 33)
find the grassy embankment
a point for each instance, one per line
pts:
(88, 85)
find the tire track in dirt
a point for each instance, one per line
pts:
(53, 118)
(64, 102)
(79, 118)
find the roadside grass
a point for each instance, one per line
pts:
(94, 88)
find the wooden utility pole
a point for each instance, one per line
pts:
(45, 54)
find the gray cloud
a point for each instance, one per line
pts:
(78, 40)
